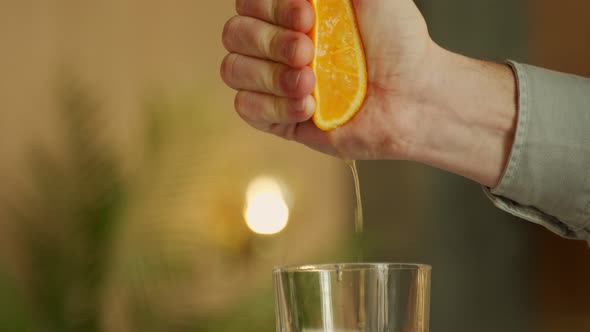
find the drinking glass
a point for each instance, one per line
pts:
(352, 297)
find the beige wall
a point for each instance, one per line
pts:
(121, 48)
(190, 202)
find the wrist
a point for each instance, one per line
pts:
(470, 108)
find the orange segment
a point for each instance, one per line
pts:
(339, 63)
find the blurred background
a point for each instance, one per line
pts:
(131, 194)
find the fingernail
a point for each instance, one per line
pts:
(291, 79)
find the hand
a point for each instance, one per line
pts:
(268, 62)
(423, 103)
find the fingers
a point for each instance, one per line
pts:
(256, 38)
(267, 112)
(256, 75)
(292, 14)
(267, 64)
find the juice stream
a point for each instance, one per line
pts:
(358, 229)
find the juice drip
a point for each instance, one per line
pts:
(358, 220)
(358, 228)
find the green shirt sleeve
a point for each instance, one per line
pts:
(547, 179)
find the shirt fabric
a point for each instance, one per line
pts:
(547, 178)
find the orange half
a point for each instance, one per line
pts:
(339, 63)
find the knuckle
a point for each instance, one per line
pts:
(292, 13)
(242, 6)
(271, 43)
(305, 50)
(277, 110)
(275, 10)
(240, 105)
(288, 12)
(230, 29)
(240, 102)
(228, 68)
(294, 50)
(244, 106)
(273, 85)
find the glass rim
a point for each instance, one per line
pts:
(351, 267)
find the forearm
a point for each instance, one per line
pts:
(471, 107)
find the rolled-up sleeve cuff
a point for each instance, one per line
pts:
(547, 178)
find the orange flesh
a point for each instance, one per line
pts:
(339, 64)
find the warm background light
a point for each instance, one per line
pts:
(266, 210)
